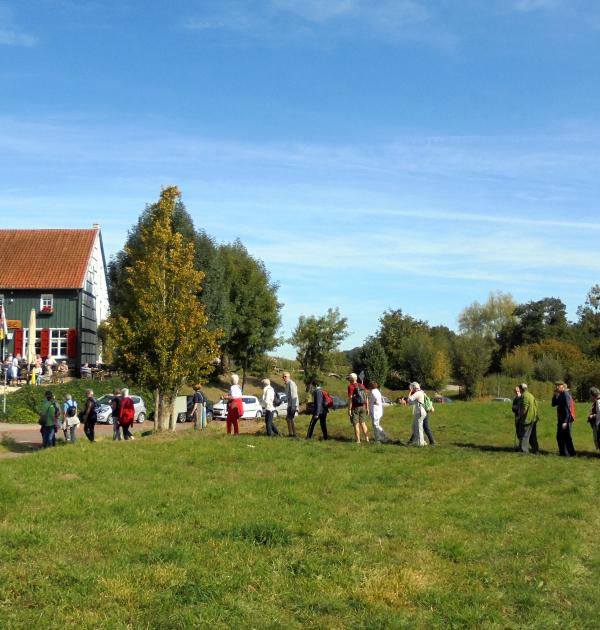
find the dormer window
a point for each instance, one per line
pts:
(47, 303)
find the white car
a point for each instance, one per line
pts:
(104, 410)
(385, 401)
(252, 408)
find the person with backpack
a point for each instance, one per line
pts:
(376, 411)
(357, 407)
(594, 415)
(126, 414)
(320, 409)
(416, 398)
(565, 416)
(268, 404)
(70, 419)
(49, 420)
(89, 416)
(528, 419)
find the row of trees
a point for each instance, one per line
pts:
(523, 341)
(183, 306)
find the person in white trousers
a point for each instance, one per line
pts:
(376, 412)
(416, 398)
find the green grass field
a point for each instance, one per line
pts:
(202, 530)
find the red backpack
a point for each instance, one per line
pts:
(572, 407)
(327, 399)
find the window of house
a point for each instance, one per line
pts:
(38, 344)
(58, 342)
(1, 300)
(47, 302)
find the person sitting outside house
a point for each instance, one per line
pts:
(86, 371)
(62, 371)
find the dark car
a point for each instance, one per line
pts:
(184, 416)
(442, 399)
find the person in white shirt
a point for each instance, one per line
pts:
(235, 408)
(416, 398)
(376, 412)
(267, 401)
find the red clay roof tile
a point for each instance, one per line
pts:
(45, 259)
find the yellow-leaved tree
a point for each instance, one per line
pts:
(163, 340)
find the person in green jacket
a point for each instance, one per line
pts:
(528, 419)
(49, 420)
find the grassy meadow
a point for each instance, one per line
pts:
(204, 530)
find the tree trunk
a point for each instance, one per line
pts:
(166, 409)
(244, 368)
(156, 411)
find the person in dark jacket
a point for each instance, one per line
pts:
(319, 411)
(516, 409)
(89, 416)
(564, 420)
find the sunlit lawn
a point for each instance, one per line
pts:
(202, 530)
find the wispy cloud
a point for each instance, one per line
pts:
(326, 20)
(10, 33)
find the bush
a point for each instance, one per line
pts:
(495, 385)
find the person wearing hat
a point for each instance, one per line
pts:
(358, 409)
(528, 419)
(416, 398)
(564, 419)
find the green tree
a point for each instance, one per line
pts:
(588, 323)
(315, 339)
(394, 327)
(372, 359)
(416, 358)
(254, 312)
(160, 333)
(518, 364)
(440, 370)
(489, 318)
(472, 357)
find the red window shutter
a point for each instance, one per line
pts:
(45, 342)
(18, 337)
(72, 343)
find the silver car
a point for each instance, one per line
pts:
(104, 410)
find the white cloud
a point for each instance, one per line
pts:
(10, 34)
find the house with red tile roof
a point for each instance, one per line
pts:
(61, 274)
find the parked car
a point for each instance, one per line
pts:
(338, 403)
(502, 399)
(442, 399)
(104, 410)
(184, 404)
(252, 408)
(385, 401)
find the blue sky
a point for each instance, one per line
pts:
(375, 154)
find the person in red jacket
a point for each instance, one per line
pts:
(126, 414)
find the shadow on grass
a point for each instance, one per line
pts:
(490, 448)
(12, 446)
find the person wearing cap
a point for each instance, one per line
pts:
(358, 409)
(416, 398)
(564, 419)
(528, 419)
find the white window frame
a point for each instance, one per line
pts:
(38, 341)
(47, 299)
(2, 300)
(62, 343)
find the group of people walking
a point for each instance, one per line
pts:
(363, 403)
(526, 411)
(53, 418)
